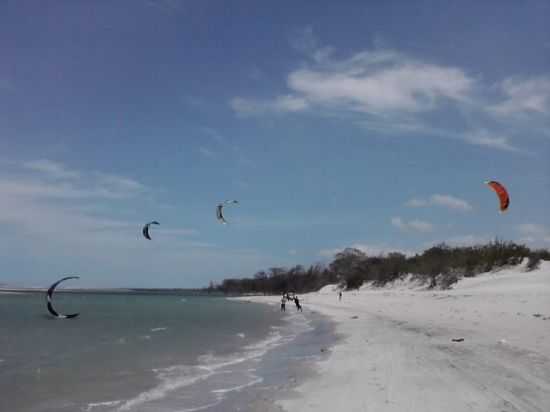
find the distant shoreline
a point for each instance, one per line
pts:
(121, 291)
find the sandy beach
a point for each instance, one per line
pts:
(398, 353)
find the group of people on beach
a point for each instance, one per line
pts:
(286, 297)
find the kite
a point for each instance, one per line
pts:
(502, 194)
(219, 210)
(49, 295)
(146, 229)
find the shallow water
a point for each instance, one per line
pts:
(129, 352)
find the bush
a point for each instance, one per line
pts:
(447, 280)
(534, 262)
(440, 265)
(354, 281)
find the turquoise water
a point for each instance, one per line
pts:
(129, 352)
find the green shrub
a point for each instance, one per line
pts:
(439, 266)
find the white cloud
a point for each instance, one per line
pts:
(412, 225)
(405, 126)
(49, 222)
(363, 86)
(375, 82)
(534, 233)
(106, 187)
(468, 240)
(369, 250)
(290, 103)
(532, 229)
(416, 202)
(206, 152)
(450, 202)
(447, 201)
(86, 225)
(34, 200)
(32, 188)
(53, 180)
(119, 184)
(482, 138)
(51, 169)
(246, 107)
(390, 93)
(281, 104)
(524, 96)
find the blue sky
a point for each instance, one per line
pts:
(366, 124)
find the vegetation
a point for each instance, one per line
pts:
(439, 266)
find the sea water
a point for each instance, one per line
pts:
(134, 352)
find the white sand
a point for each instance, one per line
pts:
(397, 355)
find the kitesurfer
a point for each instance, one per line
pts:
(297, 303)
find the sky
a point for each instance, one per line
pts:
(335, 124)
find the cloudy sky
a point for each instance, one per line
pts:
(367, 124)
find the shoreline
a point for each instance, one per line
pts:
(249, 379)
(151, 365)
(287, 365)
(398, 353)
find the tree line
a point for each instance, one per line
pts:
(439, 267)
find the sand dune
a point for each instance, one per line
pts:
(398, 352)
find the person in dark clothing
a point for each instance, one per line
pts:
(340, 296)
(297, 302)
(283, 304)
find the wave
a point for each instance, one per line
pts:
(200, 408)
(94, 405)
(158, 329)
(176, 377)
(239, 387)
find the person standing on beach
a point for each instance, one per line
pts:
(340, 296)
(297, 302)
(283, 304)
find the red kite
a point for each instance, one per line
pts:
(502, 194)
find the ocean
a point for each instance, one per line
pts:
(147, 352)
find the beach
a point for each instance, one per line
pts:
(483, 345)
